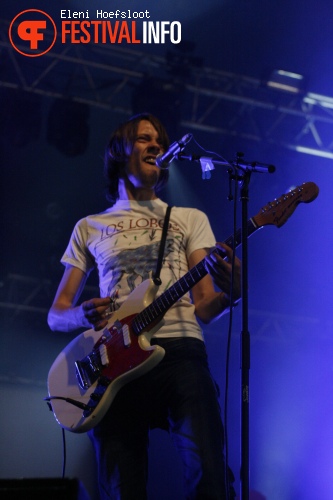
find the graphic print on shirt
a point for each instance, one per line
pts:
(128, 252)
(134, 263)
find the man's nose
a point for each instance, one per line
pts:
(155, 146)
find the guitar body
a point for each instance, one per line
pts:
(86, 376)
(128, 357)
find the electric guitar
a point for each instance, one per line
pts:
(86, 376)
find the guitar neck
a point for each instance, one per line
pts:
(160, 306)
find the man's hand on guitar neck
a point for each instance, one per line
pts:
(220, 269)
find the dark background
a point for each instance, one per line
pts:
(48, 184)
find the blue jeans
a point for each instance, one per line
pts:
(179, 395)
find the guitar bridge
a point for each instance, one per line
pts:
(87, 371)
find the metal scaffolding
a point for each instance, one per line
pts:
(212, 100)
(26, 297)
(26, 300)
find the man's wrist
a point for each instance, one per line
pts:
(226, 301)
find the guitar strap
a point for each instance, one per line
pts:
(156, 277)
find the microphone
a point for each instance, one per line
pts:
(262, 168)
(163, 160)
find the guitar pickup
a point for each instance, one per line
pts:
(103, 352)
(126, 335)
(124, 331)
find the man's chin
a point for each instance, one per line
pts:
(151, 178)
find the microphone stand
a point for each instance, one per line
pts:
(208, 164)
(245, 347)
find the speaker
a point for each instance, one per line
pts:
(42, 489)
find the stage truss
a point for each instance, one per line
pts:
(212, 100)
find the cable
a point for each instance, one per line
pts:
(78, 404)
(226, 391)
(64, 453)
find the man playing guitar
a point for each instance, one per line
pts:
(178, 394)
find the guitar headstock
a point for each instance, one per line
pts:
(278, 211)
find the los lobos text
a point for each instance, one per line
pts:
(108, 27)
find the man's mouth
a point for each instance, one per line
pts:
(151, 159)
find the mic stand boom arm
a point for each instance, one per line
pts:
(253, 166)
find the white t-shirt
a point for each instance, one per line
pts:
(123, 244)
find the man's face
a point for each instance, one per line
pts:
(141, 169)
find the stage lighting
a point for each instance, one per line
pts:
(180, 62)
(162, 98)
(20, 117)
(322, 101)
(286, 81)
(67, 127)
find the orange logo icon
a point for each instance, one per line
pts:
(32, 33)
